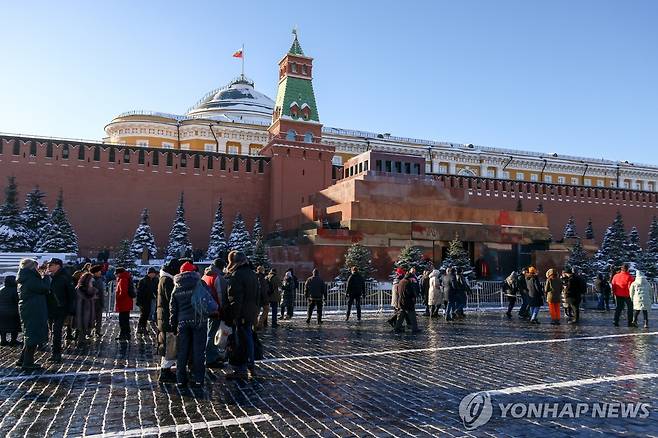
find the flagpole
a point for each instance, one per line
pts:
(243, 60)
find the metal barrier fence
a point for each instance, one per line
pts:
(483, 295)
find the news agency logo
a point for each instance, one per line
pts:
(476, 409)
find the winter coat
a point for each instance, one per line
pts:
(85, 311)
(99, 285)
(33, 306)
(535, 291)
(275, 287)
(575, 287)
(641, 293)
(217, 286)
(263, 290)
(407, 294)
(356, 286)
(181, 310)
(621, 284)
(62, 300)
(553, 289)
(124, 303)
(424, 284)
(395, 301)
(315, 289)
(10, 320)
(242, 296)
(435, 291)
(165, 288)
(451, 287)
(602, 286)
(147, 289)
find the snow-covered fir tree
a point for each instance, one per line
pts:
(589, 231)
(58, 234)
(14, 236)
(143, 238)
(411, 257)
(179, 243)
(239, 239)
(361, 257)
(570, 229)
(457, 257)
(633, 248)
(612, 252)
(124, 257)
(260, 256)
(217, 247)
(257, 232)
(649, 262)
(579, 260)
(34, 216)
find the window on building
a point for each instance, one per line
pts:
(561, 180)
(638, 185)
(407, 168)
(534, 177)
(574, 180)
(398, 167)
(140, 156)
(443, 168)
(197, 161)
(49, 150)
(209, 147)
(416, 169)
(304, 69)
(185, 147)
(97, 153)
(520, 176)
(378, 165)
(236, 164)
(112, 155)
(291, 135)
(261, 166)
(613, 184)
(65, 152)
(333, 172)
(365, 165)
(293, 67)
(650, 187)
(183, 160)
(155, 160)
(491, 173)
(167, 145)
(505, 174)
(548, 178)
(626, 185)
(360, 167)
(588, 182)
(234, 150)
(33, 149)
(222, 163)
(308, 137)
(389, 166)
(337, 160)
(600, 183)
(126, 155)
(142, 143)
(170, 159)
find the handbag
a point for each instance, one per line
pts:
(221, 337)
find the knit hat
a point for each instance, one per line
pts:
(187, 267)
(96, 268)
(219, 264)
(532, 270)
(235, 260)
(550, 272)
(400, 271)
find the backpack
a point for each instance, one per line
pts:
(203, 303)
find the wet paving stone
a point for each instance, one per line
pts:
(348, 379)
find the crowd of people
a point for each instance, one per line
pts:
(204, 319)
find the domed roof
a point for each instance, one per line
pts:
(237, 101)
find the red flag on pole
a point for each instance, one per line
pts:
(238, 54)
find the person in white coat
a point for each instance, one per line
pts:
(435, 295)
(641, 294)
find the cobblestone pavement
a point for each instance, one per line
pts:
(347, 379)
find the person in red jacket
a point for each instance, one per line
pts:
(124, 301)
(621, 284)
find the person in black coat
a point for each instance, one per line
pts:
(166, 337)
(407, 293)
(575, 287)
(147, 289)
(356, 289)
(524, 310)
(315, 292)
(10, 320)
(603, 290)
(451, 292)
(424, 283)
(535, 294)
(61, 304)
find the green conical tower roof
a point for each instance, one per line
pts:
(296, 48)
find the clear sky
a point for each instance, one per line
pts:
(577, 77)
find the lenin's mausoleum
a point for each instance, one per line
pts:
(325, 188)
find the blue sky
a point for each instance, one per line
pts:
(577, 77)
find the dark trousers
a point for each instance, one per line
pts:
(603, 301)
(311, 305)
(434, 310)
(409, 316)
(56, 326)
(274, 306)
(524, 310)
(246, 335)
(356, 301)
(27, 355)
(124, 325)
(144, 315)
(98, 321)
(287, 308)
(191, 339)
(212, 350)
(621, 302)
(574, 307)
(511, 301)
(645, 315)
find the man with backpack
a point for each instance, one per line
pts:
(214, 278)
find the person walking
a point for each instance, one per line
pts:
(603, 291)
(61, 304)
(641, 294)
(450, 290)
(214, 278)
(395, 302)
(190, 305)
(10, 320)
(263, 298)
(621, 284)
(33, 310)
(315, 292)
(524, 309)
(85, 314)
(434, 293)
(407, 304)
(275, 294)
(99, 301)
(510, 290)
(574, 289)
(463, 288)
(553, 290)
(125, 292)
(166, 336)
(535, 294)
(147, 289)
(242, 308)
(289, 288)
(424, 283)
(355, 290)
